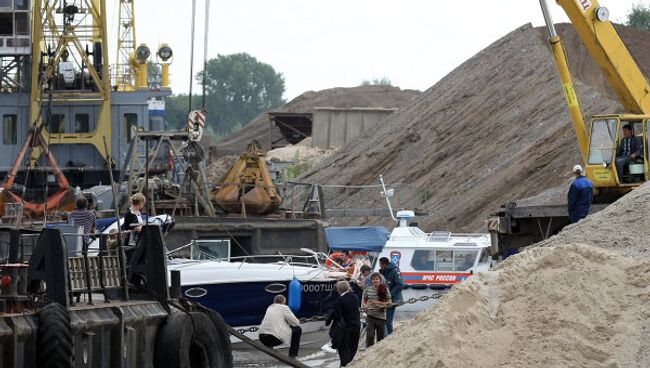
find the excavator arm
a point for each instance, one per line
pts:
(590, 21)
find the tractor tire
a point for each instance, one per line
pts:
(224, 338)
(54, 339)
(189, 340)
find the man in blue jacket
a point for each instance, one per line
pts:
(580, 195)
(395, 284)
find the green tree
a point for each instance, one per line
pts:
(154, 76)
(238, 88)
(639, 17)
(383, 81)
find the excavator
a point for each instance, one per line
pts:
(514, 227)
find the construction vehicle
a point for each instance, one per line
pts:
(516, 226)
(247, 188)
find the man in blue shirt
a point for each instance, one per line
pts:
(580, 195)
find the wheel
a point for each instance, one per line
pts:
(54, 338)
(224, 337)
(190, 341)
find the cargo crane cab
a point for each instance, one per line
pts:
(605, 134)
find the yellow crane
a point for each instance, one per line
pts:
(598, 141)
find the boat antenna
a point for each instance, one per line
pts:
(387, 194)
(192, 55)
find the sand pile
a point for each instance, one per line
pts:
(362, 96)
(494, 130)
(579, 301)
(299, 152)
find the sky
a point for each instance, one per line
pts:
(319, 44)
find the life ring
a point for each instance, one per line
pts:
(54, 337)
(328, 260)
(189, 340)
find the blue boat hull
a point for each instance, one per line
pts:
(245, 303)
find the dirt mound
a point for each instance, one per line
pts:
(494, 130)
(580, 300)
(362, 96)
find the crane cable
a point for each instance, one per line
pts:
(205, 51)
(192, 55)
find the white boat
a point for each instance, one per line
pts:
(435, 260)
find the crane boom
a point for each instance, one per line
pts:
(606, 48)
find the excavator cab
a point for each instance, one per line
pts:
(605, 135)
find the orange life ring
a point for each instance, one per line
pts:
(328, 261)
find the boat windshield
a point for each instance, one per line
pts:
(210, 249)
(443, 260)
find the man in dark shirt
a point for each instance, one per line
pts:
(347, 324)
(83, 217)
(629, 150)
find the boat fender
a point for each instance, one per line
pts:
(186, 338)
(294, 295)
(54, 339)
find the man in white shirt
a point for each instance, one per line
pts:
(280, 325)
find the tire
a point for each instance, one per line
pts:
(224, 338)
(189, 341)
(54, 339)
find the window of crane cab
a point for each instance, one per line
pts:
(21, 4)
(602, 141)
(81, 123)
(6, 23)
(9, 129)
(7, 4)
(130, 120)
(22, 24)
(57, 124)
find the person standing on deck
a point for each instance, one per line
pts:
(346, 326)
(395, 285)
(375, 300)
(133, 218)
(83, 217)
(579, 196)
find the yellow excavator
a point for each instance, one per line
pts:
(599, 141)
(515, 226)
(247, 188)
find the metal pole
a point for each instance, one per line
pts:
(175, 291)
(547, 19)
(120, 247)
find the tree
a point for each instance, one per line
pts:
(238, 88)
(383, 81)
(639, 17)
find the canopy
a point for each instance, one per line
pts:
(365, 238)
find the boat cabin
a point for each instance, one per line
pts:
(434, 259)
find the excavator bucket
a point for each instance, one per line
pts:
(247, 188)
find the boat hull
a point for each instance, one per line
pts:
(245, 303)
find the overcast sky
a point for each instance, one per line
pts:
(338, 43)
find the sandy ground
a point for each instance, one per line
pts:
(578, 299)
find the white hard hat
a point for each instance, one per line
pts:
(577, 169)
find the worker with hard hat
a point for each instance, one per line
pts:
(579, 196)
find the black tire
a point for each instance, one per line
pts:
(189, 341)
(54, 339)
(224, 338)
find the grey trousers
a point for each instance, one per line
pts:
(374, 326)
